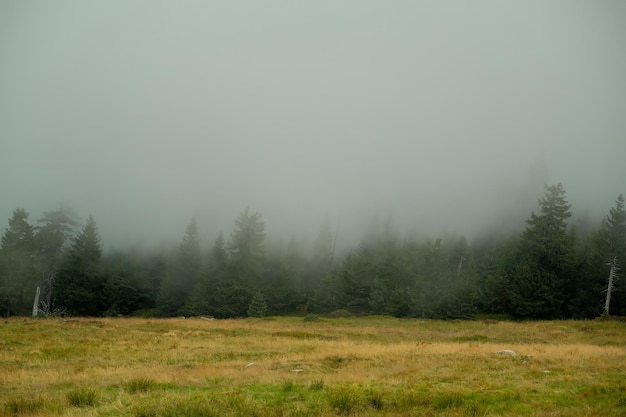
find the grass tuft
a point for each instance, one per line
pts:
(289, 386)
(139, 385)
(347, 400)
(375, 398)
(182, 406)
(21, 406)
(316, 385)
(82, 397)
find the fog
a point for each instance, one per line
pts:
(445, 116)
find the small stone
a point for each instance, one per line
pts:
(507, 352)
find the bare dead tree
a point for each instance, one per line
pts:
(609, 288)
(36, 302)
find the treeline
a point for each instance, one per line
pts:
(551, 270)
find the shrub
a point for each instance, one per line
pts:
(147, 313)
(258, 306)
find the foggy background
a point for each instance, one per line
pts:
(446, 116)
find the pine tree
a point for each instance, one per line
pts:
(183, 275)
(18, 279)
(542, 281)
(614, 231)
(246, 250)
(496, 259)
(427, 293)
(258, 306)
(462, 291)
(124, 288)
(219, 255)
(321, 259)
(190, 255)
(80, 282)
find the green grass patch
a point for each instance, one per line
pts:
(347, 400)
(303, 335)
(471, 338)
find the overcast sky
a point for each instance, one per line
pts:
(441, 114)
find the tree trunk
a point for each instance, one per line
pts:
(36, 303)
(609, 289)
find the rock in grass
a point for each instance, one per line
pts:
(507, 352)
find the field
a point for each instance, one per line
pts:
(371, 366)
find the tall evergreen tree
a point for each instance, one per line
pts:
(183, 275)
(461, 292)
(246, 249)
(128, 285)
(219, 255)
(426, 293)
(80, 282)
(190, 252)
(54, 231)
(614, 231)
(321, 260)
(496, 259)
(18, 278)
(542, 282)
(203, 299)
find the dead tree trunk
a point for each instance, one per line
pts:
(36, 303)
(609, 288)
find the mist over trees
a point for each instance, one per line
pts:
(549, 270)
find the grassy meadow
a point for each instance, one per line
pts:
(372, 366)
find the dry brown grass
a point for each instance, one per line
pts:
(554, 361)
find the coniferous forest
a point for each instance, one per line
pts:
(551, 270)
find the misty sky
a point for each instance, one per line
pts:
(445, 115)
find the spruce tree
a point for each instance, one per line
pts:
(79, 283)
(614, 231)
(183, 274)
(258, 306)
(542, 281)
(18, 278)
(219, 255)
(321, 258)
(246, 249)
